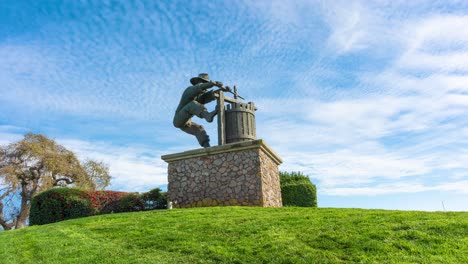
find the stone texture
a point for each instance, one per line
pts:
(232, 174)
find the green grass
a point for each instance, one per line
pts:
(245, 235)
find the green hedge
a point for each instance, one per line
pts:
(152, 200)
(297, 190)
(129, 203)
(60, 204)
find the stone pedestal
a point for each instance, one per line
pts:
(243, 173)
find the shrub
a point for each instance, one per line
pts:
(154, 199)
(101, 199)
(66, 203)
(131, 203)
(128, 203)
(60, 204)
(297, 190)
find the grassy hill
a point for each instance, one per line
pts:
(245, 235)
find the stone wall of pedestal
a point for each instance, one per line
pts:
(234, 174)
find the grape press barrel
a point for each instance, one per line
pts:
(240, 122)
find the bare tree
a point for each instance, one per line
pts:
(98, 173)
(37, 163)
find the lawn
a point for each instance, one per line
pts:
(245, 235)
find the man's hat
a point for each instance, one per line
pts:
(202, 77)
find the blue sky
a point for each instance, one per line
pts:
(370, 99)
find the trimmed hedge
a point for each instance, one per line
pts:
(297, 190)
(128, 203)
(60, 204)
(101, 199)
(154, 199)
(64, 203)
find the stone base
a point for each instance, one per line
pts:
(243, 173)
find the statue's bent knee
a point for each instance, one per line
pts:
(194, 108)
(181, 118)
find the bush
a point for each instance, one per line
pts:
(101, 199)
(154, 199)
(66, 203)
(130, 203)
(60, 204)
(297, 190)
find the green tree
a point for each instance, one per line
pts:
(37, 163)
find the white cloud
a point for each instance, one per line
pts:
(438, 33)
(351, 166)
(132, 168)
(436, 44)
(43, 80)
(351, 25)
(339, 143)
(287, 12)
(423, 61)
(10, 134)
(398, 187)
(407, 127)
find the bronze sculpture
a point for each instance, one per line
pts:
(192, 103)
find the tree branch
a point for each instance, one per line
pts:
(5, 194)
(3, 223)
(66, 180)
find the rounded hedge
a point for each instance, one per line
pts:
(60, 204)
(297, 190)
(301, 194)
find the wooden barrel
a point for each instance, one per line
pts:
(240, 122)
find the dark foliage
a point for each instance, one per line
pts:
(60, 204)
(66, 203)
(297, 190)
(154, 199)
(128, 203)
(63, 203)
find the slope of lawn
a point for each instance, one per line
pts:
(245, 235)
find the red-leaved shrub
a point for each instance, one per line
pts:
(99, 199)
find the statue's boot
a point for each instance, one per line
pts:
(198, 131)
(206, 143)
(208, 116)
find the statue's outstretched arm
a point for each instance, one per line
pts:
(206, 97)
(206, 85)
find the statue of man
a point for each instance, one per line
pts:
(192, 103)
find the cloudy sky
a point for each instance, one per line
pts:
(368, 98)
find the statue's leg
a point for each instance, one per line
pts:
(198, 131)
(187, 112)
(191, 109)
(198, 109)
(194, 108)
